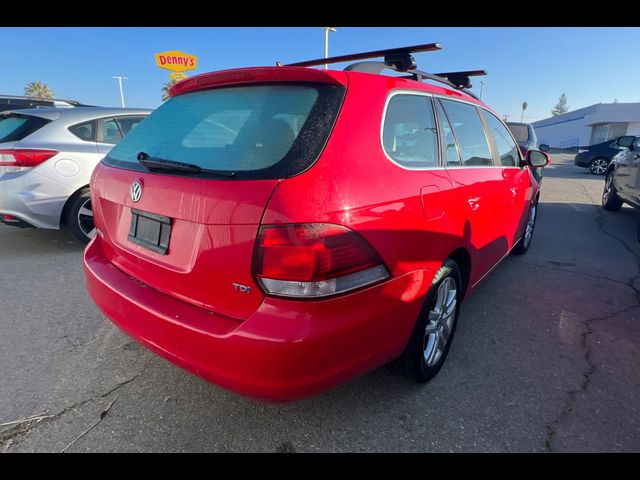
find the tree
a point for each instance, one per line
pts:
(166, 87)
(524, 107)
(38, 90)
(561, 107)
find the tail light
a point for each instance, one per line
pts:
(314, 260)
(21, 159)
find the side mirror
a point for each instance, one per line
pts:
(544, 147)
(626, 141)
(537, 159)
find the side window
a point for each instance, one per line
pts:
(108, 131)
(469, 131)
(127, 124)
(507, 148)
(409, 134)
(451, 150)
(85, 131)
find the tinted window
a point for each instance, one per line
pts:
(469, 132)
(16, 127)
(262, 131)
(451, 150)
(520, 132)
(108, 131)
(85, 131)
(409, 134)
(127, 124)
(507, 148)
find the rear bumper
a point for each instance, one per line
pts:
(284, 351)
(33, 199)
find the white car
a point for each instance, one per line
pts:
(47, 156)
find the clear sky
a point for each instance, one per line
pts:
(535, 65)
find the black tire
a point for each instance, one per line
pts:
(598, 166)
(79, 224)
(524, 243)
(610, 199)
(412, 363)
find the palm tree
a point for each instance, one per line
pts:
(166, 87)
(38, 90)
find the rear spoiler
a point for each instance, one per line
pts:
(257, 75)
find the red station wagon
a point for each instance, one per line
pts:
(281, 230)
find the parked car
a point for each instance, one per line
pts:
(14, 102)
(47, 156)
(597, 157)
(280, 230)
(622, 180)
(527, 139)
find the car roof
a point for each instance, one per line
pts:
(77, 114)
(257, 75)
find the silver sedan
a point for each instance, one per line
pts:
(47, 156)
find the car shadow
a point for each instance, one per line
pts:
(36, 241)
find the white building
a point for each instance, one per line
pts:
(589, 125)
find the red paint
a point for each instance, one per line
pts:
(184, 306)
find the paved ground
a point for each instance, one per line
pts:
(546, 358)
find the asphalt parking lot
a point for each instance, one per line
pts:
(546, 358)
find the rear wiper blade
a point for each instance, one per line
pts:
(153, 163)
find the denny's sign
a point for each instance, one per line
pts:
(176, 61)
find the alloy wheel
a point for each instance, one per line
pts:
(531, 223)
(607, 189)
(85, 219)
(440, 322)
(598, 166)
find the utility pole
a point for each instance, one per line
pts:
(120, 78)
(524, 107)
(481, 88)
(326, 43)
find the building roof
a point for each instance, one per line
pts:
(597, 113)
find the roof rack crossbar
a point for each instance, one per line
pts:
(456, 80)
(400, 57)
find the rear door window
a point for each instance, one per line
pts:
(452, 156)
(469, 131)
(520, 132)
(15, 127)
(257, 131)
(108, 131)
(85, 131)
(127, 124)
(409, 135)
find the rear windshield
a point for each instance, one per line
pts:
(520, 132)
(14, 128)
(261, 131)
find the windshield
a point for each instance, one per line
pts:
(520, 132)
(259, 131)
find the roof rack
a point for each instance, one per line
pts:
(400, 60)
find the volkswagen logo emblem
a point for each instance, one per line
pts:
(135, 191)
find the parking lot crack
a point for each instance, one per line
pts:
(578, 272)
(553, 426)
(17, 430)
(600, 226)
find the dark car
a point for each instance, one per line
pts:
(622, 181)
(527, 140)
(14, 102)
(597, 157)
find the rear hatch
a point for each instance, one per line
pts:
(179, 200)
